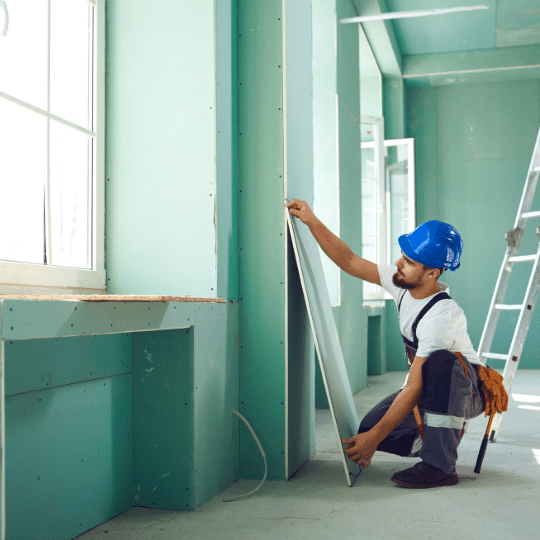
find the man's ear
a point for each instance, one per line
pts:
(437, 272)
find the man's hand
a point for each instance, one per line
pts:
(301, 210)
(361, 448)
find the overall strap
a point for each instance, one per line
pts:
(437, 298)
(401, 300)
(425, 309)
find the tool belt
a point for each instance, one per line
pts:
(495, 395)
(491, 383)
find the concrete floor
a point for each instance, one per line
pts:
(503, 502)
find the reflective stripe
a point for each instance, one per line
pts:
(442, 420)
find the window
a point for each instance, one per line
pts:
(52, 144)
(388, 197)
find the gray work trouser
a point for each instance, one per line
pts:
(451, 395)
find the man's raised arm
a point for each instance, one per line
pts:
(333, 246)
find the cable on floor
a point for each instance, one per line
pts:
(262, 454)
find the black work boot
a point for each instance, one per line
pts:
(424, 475)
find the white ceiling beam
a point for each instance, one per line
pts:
(408, 14)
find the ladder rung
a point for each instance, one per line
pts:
(527, 215)
(495, 356)
(508, 307)
(522, 258)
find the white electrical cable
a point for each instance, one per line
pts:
(262, 454)
(6, 17)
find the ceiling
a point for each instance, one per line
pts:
(507, 23)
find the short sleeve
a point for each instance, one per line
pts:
(386, 273)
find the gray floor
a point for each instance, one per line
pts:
(503, 502)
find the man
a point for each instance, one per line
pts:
(441, 382)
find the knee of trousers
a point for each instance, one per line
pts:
(438, 365)
(437, 376)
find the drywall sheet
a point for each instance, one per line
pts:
(323, 326)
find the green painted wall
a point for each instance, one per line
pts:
(261, 235)
(170, 147)
(69, 434)
(377, 340)
(275, 164)
(227, 149)
(164, 419)
(370, 79)
(325, 136)
(298, 107)
(474, 144)
(353, 317)
(394, 111)
(501, 64)
(129, 417)
(337, 76)
(325, 152)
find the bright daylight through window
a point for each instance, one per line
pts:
(388, 202)
(50, 143)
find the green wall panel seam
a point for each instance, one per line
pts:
(70, 384)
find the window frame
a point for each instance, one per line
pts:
(20, 277)
(411, 188)
(385, 244)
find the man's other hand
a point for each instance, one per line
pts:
(361, 448)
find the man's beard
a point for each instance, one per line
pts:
(398, 282)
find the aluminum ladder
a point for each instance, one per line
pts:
(511, 257)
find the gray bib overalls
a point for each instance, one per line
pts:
(451, 395)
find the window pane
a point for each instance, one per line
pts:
(70, 60)
(369, 248)
(398, 179)
(369, 207)
(23, 52)
(23, 161)
(69, 191)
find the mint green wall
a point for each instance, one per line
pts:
(170, 143)
(275, 163)
(61, 434)
(370, 79)
(171, 228)
(261, 236)
(394, 108)
(298, 106)
(338, 200)
(353, 317)
(129, 416)
(325, 136)
(395, 113)
(473, 148)
(227, 149)
(325, 153)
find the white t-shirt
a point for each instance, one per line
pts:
(444, 326)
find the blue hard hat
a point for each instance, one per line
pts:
(434, 243)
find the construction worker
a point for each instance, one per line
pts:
(441, 384)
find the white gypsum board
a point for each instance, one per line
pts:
(325, 335)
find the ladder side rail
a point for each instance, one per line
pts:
(499, 293)
(523, 324)
(518, 340)
(513, 238)
(530, 185)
